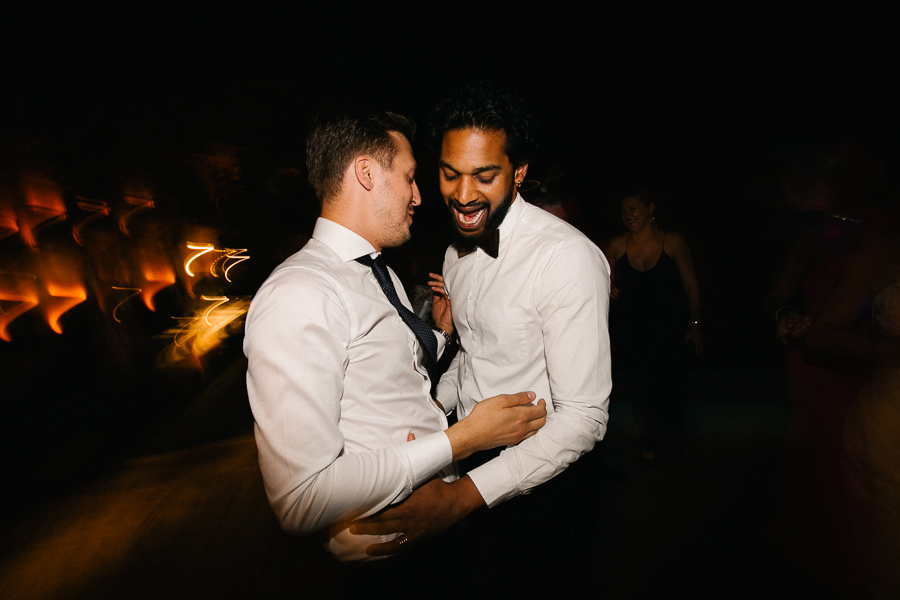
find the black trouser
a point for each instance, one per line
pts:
(546, 538)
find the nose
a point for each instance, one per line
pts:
(465, 191)
(416, 197)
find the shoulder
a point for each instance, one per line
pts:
(549, 245)
(674, 244)
(546, 230)
(308, 276)
(616, 247)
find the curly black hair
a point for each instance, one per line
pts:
(488, 106)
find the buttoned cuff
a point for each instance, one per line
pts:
(427, 456)
(494, 481)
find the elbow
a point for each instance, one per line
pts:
(297, 517)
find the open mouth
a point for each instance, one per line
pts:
(470, 218)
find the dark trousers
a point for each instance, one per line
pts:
(551, 535)
(439, 567)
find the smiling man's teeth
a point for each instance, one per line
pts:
(469, 219)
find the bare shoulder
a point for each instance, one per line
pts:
(615, 248)
(676, 244)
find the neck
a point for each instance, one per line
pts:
(340, 213)
(644, 233)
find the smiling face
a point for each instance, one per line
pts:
(396, 196)
(635, 214)
(477, 180)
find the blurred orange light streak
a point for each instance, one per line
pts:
(203, 249)
(44, 205)
(98, 210)
(157, 275)
(136, 292)
(66, 296)
(22, 292)
(230, 254)
(140, 204)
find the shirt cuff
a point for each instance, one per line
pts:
(441, 343)
(494, 481)
(427, 456)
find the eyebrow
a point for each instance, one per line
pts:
(475, 171)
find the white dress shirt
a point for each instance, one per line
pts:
(336, 385)
(533, 319)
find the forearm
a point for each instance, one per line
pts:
(563, 440)
(350, 486)
(447, 390)
(503, 420)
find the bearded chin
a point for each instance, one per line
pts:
(466, 242)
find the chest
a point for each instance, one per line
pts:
(492, 293)
(645, 256)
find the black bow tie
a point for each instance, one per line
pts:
(490, 243)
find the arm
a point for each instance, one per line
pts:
(447, 391)
(572, 300)
(573, 305)
(835, 339)
(685, 264)
(790, 321)
(613, 252)
(440, 303)
(296, 395)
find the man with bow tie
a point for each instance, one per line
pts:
(338, 365)
(530, 296)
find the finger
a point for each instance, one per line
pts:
(373, 526)
(524, 398)
(387, 548)
(410, 437)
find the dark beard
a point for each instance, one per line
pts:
(466, 242)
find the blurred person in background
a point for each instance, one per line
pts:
(655, 317)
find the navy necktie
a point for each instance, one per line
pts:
(423, 332)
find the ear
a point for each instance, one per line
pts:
(362, 168)
(521, 170)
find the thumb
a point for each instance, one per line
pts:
(525, 397)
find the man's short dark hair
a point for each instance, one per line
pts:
(487, 106)
(336, 139)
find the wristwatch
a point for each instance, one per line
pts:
(447, 337)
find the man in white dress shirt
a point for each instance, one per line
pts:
(530, 298)
(344, 420)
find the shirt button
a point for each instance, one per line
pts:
(471, 297)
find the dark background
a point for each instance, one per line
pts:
(710, 105)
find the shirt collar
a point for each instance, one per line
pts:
(512, 217)
(344, 242)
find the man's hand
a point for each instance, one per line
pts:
(440, 303)
(503, 420)
(430, 510)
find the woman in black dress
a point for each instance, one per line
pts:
(655, 320)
